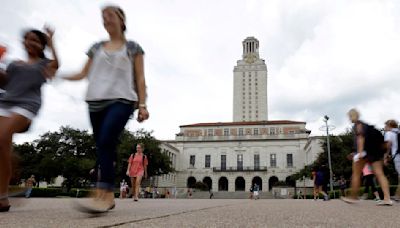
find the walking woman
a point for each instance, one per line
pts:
(22, 98)
(137, 168)
(115, 70)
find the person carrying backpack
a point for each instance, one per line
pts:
(392, 152)
(369, 147)
(137, 168)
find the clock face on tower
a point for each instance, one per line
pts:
(250, 58)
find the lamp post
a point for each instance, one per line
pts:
(327, 128)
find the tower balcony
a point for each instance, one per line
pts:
(240, 169)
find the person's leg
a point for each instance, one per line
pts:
(397, 167)
(367, 185)
(383, 182)
(373, 188)
(315, 192)
(323, 193)
(137, 186)
(356, 178)
(8, 126)
(133, 184)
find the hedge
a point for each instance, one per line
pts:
(59, 192)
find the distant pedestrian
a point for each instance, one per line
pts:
(137, 169)
(30, 182)
(393, 152)
(256, 190)
(20, 103)
(299, 194)
(211, 193)
(319, 181)
(369, 182)
(189, 193)
(123, 190)
(251, 192)
(342, 186)
(369, 147)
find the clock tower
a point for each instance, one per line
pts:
(250, 101)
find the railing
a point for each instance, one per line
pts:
(240, 168)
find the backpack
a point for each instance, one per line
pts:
(398, 144)
(374, 140)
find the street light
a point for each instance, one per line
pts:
(327, 128)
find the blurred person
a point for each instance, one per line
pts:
(319, 180)
(369, 147)
(30, 182)
(22, 99)
(122, 189)
(137, 169)
(115, 71)
(342, 186)
(369, 182)
(256, 190)
(392, 150)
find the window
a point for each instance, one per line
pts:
(210, 132)
(289, 160)
(256, 130)
(273, 160)
(223, 162)
(240, 162)
(208, 161)
(192, 161)
(272, 131)
(256, 161)
(226, 132)
(240, 131)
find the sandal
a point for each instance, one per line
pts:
(385, 203)
(348, 200)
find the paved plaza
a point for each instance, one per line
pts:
(59, 212)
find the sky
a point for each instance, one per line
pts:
(323, 58)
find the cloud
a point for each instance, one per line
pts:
(323, 58)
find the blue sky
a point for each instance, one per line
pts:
(323, 58)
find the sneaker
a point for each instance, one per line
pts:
(326, 198)
(385, 203)
(364, 197)
(377, 200)
(348, 200)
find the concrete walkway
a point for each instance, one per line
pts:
(58, 212)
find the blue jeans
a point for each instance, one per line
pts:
(28, 192)
(108, 125)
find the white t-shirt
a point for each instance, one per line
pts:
(392, 137)
(111, 76)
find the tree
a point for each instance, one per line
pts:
(72, 153)
(341, 146)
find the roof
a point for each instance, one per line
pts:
(270, 122)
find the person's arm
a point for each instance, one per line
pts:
(387, 155)
(82, 74)
(145, 167)
(53, 65)
(141, 87)
(129, 166)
